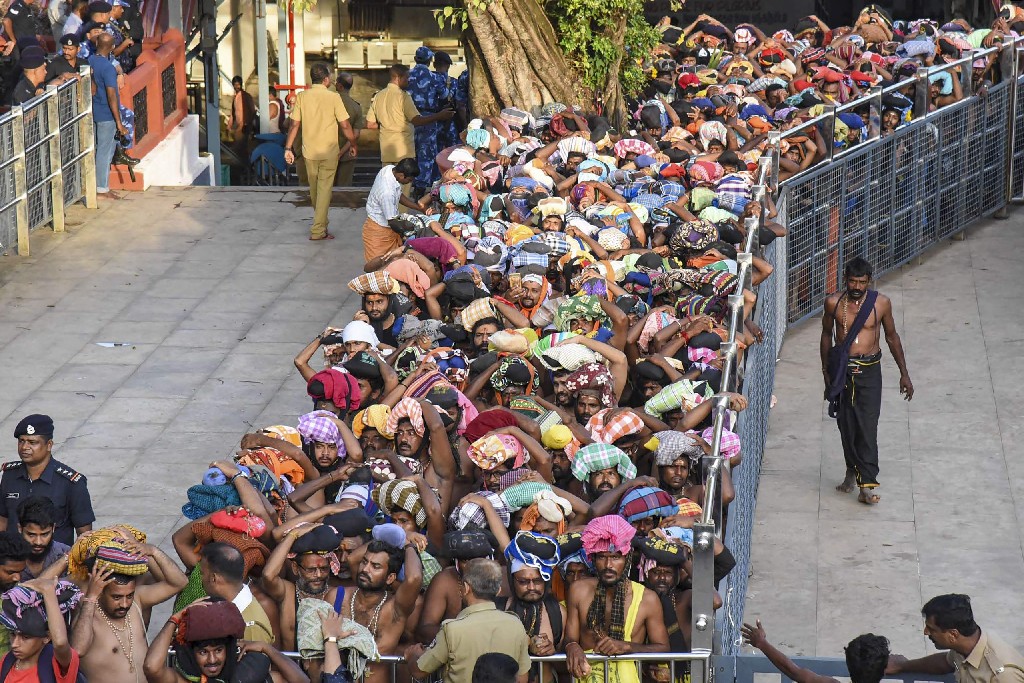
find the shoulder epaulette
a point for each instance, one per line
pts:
(66, 471)
(14, 464)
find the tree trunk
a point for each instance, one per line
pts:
(515, 59)
(613, 100)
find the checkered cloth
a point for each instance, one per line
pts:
(601, 456)
(672, 190)
(647, 501)
(400, 495)
(685, 394)
(522, 258)
(477, 310)
(519, 496)
(316, 426)
(728, 446)
(470, 514)
(673, 445)
(650, 201)
(632, 146)
(687, 508)
(410, 409)
(558, 243)
(625, 423)
(379, 282)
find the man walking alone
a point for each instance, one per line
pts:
(852, 369)
(319, 112)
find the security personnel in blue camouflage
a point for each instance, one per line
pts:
(38, 474)
(429, 96)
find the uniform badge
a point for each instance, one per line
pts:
(30, 430)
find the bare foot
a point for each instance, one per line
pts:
(849, 484)
(868, 497)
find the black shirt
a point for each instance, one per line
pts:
(22, 19)
(59, 66)
(64, 486)
(24, 91)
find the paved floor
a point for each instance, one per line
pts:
(826, 568)
(212, 291)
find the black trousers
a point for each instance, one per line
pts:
(859, 407)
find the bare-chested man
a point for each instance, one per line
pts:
(109, 634)
(854, 384)
(381, 602)
(610, 614)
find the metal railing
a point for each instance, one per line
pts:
(47, 161)
(887, 199)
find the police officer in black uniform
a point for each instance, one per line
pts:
(66, 63)
(33, 76)
(20, 20)
(38, 474)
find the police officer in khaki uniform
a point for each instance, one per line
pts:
(975, 656)
(479, 629)
(38, 474)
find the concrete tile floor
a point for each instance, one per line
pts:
(826, 568)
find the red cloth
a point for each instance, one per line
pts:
(32, 675)
(340, 388)
(687, 79)
(488, 421)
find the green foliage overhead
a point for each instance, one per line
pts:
(585, 32)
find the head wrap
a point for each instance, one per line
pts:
(340, 388)
(566, 357)
(470, 514)
(358, 331)
(378, 282)
(113, 555)
(529, 549)
(669, 446)
(407, 271)
(570, 550)
(647, 501)
(407, 409)
(494, 449)
(513, 370)
(593, 377)
(85, 547)
(22, 609)
(317, 427)
(401, 495)
(685, 394)
(556, 437)
(210, 621)
(599, 456)
(583, 307)
(607, 428)
(254, 553)
(488, 421)
(374, 417)
(608, 534)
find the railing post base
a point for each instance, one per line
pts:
(1002, 213)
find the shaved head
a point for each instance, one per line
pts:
(105, 42)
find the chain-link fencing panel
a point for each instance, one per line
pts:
(37, 161)
(8, 187)
(71, 146)
(1017, 172)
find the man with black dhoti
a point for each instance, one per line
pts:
(852, 370)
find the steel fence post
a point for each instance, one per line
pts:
(56, 168)
(20, 180)
(1008, 69)
(875, 131)
(921, 100)
(967, 73)
(87, 136)
(703, 607)
(775, 142)
(829, 134)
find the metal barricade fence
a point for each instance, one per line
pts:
(46, 161)
(887, 200)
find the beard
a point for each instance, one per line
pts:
(366, 583)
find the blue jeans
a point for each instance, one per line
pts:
(105, 131)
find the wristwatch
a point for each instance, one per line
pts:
(331, 639)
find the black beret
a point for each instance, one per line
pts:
(70, 39)
(34, 424)
(98, 7)
(322, 539)
(350, 522)
(32, 57)
(661, 551)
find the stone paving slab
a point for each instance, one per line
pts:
(213, 291)
(826, 568)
